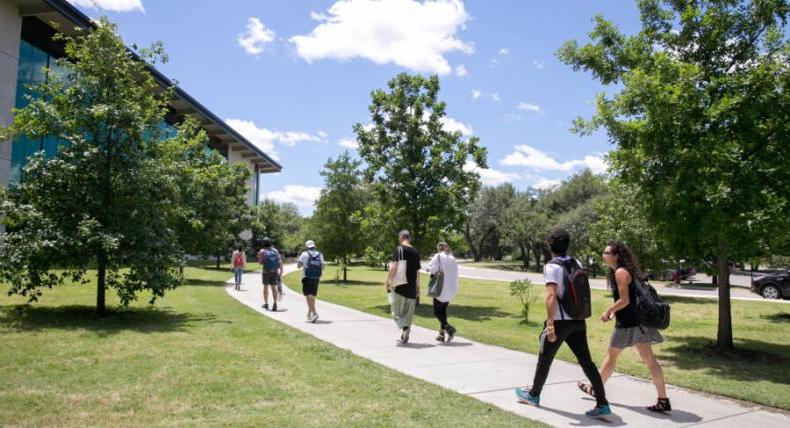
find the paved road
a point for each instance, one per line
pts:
(737, 293)
(490, 373)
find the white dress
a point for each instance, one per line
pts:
(447, 264)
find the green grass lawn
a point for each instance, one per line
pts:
(199, 358)
(485, 311)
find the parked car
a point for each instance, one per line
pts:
(773, 286)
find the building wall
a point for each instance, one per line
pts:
(10, 30)
(233, 157)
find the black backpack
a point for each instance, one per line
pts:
(575, 300)
(650, 309)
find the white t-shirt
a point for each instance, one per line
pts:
(304, 257)
(554, 274)
(449, 266)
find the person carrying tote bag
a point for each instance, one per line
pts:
(443, 288)
(403, 285)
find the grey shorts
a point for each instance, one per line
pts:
(270, 278)
(629, 336)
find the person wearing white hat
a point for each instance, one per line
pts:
(313, 263)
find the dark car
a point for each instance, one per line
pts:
(773, 286)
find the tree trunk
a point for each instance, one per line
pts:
(724, 334)
(471, 242)
(524, 255)
(101, 284)
(218, 256)
(345, 269)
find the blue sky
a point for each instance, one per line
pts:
(295, 76)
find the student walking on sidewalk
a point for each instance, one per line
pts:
(313, 263)
(624, 271)
(567, 308)
(239, 263)
(272, 265)
(444, 264)
(403, 284)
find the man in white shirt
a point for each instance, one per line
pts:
(560, 327)
(313, 263)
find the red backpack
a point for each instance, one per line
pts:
(575, 300)
(238, 261)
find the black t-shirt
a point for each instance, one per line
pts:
(412, 258)
(627, 316)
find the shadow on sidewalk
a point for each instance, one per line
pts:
(679, 416)
(584, 421)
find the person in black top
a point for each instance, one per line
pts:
(623, 272)
(403, 284)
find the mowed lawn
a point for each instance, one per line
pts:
(199, 358)
(484, 311)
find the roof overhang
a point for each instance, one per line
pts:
(221, 134)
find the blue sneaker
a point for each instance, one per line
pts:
(599, 411)
(526, 397)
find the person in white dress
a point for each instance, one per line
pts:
(443, 263)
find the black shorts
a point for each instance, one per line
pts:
(310, 286)
(270, 278)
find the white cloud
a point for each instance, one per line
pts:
(545, 184)
(451, 125)
(538, 64)
(111, 5)
(460, 71)
(478, 94)
(529, 107)
(531, 157)
(503, 51)
(491, 177)
(349, 143)
(322, 134)
(303, 197)
(265, 138)
(256, 36)
(412, 34)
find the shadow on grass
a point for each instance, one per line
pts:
(79, 317)
(203, 283)
(469, 313)
(688, 300)
(780, 317)
(750, 360)
(351, 282)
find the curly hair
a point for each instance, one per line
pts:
(626, 260)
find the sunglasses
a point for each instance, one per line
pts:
(607, 253)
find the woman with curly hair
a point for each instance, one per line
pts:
(623, 273)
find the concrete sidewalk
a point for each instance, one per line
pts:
(490, 373)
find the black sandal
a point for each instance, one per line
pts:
(586, 388)
(661, 406)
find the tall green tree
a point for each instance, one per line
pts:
(212, 207)
(339, 210)
(526, 226)
(620, 215)
(700, 119)
(282, 223)
(418, 166)
(106, 199)
(486, 219)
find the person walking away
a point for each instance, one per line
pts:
(239, 263)
(313, 263)
(567, 308)
(444, 264)
(403, 284)
(624, 271)
(272, 269)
